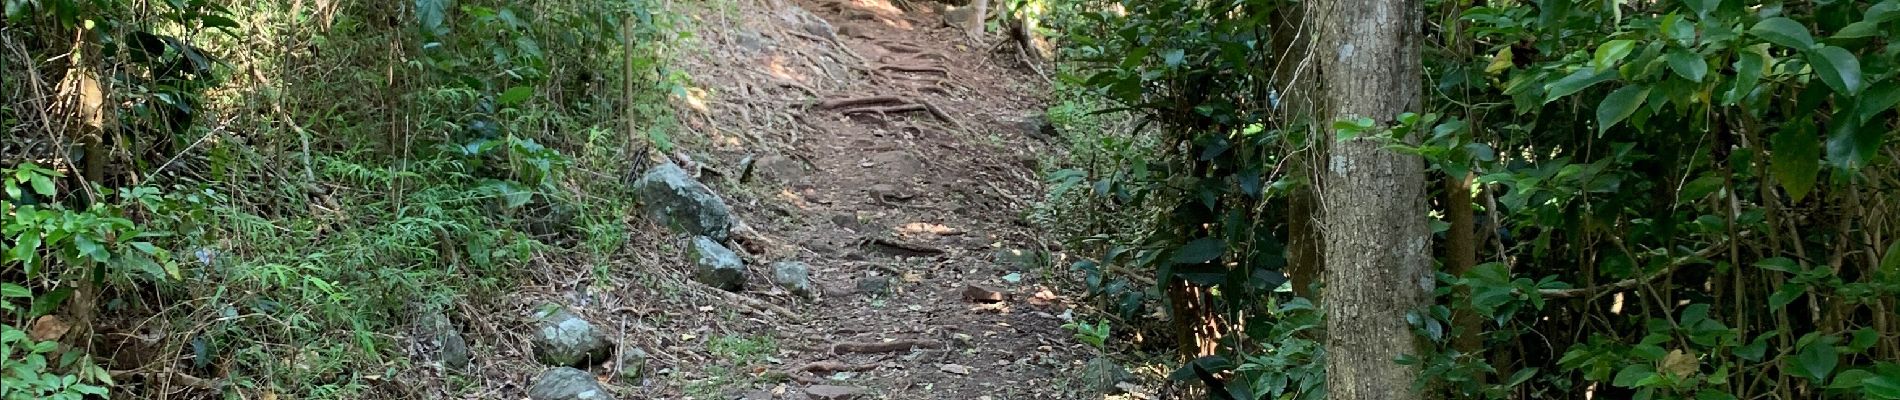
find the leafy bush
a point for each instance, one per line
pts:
(1666, 194)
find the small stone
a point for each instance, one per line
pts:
(874, 285)
(563, 383)
(1102, 375)
(829, 392)
(673, 197)
(716, 266)
(633, 364)
(758, 395)
(793, 276)
(955, 369)
(565, 340)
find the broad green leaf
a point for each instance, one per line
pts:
(1633, 375)
(42, 185)
(26, 249)
(516, 95)
(13, 189)
(1796, 158)
(1885, 11)
(1688, 65)
(1851, 146)
(1783, 31)
(1838, 68)
(1702, 8)
(8, 290)
(1816, 361)
(1199, 251)
(1749, 64)
(1575, 82)
(1879, 97)
(1611, 52)
(1858, 30)
(1782, 264)
(1173, 57)
(1881, 387)
(1619, 105)
(1784, 296)
(431, 14)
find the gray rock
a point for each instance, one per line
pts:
(874, 285)
(563, 383)
(958, 17)
(454, 351)
(676, 199)
(794, 276)
(1103, 374)
(715, 265)
(563, 339)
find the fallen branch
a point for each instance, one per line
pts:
(886, 347)
(911, 249)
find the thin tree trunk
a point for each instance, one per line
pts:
(1377, 255)
(1294, 75)
(977, 19)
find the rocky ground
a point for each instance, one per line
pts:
(844, 219)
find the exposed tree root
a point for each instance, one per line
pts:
(858, 101)
(818, 367)
(886, 347)
(920, 69)
(885, 110)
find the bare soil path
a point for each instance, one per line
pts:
(904, 159)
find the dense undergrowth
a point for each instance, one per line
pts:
(1669, 200)
(246, 199)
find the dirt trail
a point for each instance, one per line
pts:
(908, 160)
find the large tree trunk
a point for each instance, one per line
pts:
(1374, 224)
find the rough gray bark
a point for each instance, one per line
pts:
(1376, 240)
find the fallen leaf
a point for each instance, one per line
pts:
(48, 327)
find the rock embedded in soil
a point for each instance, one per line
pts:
(715, 265)
(780, 169)
(793, 276)
(829, 392)
(874, 285)
(563, 383)
(563, 339)
(674, 198)
(454, 354)
(1103, 375)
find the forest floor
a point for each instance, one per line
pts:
(895, 155)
